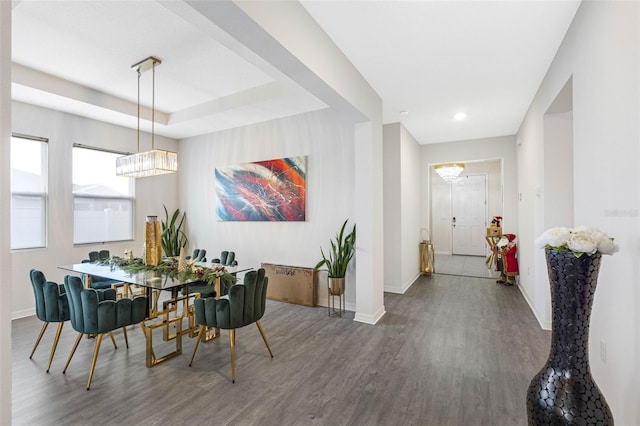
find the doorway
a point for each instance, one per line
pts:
(558, 160)
(469, 215)
(487, 174)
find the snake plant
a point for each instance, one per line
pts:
(173, 237)
(342, 250)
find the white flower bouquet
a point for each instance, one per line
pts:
(580, 240)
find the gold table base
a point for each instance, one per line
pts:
(169, 317)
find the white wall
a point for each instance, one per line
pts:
(558, 160)
(5, 258)
(328, 144)
(285, 35)
(558, 163)
(601, 54)
(63, 130)
(391, 150)
(502, 147)
(401, 175)
(411, 213)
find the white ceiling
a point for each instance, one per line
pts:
(436, 58)
(76, 56)
(431, 58)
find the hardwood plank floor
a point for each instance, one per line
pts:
(450, 351)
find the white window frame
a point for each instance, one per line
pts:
(43, 195)
(101, 198)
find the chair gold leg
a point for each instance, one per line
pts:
(73, 350)
(264, 337)
(232, 340)
(95, 358)
(44, 327)
(55, 344)
(195, 347)
(126, 339)
(113, 339)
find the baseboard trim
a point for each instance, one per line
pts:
(402, 289)
(545, 325)
(370, 319)
(23, 313)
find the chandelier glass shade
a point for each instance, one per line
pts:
(148, 163)
(449, 171)
(153, 162)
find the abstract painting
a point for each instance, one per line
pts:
(272, 190)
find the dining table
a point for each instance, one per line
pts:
(169, 317)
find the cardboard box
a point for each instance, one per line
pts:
(494, 231)
(291, 284)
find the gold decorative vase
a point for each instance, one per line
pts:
(153, 241)
(427, 256)
(336, 286)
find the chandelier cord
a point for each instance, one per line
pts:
(138, 110)
(153, 105)
(150, 162)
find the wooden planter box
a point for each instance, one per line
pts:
(291, 284)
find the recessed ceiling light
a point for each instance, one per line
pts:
(460, 116)
(404, 112)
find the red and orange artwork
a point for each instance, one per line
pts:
(272, 190)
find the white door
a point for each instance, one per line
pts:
(469, 215)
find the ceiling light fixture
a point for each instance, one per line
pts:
(156, 161)
(460, 116)
(449, 171)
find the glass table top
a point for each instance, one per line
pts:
(152, 279)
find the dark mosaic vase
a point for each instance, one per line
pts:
(563, 392)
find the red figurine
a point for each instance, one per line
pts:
(507, 262)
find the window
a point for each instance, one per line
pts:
(28, 192)
(102, 201)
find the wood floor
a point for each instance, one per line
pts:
(450, 351)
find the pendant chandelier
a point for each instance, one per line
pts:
(449, 171)
(156, 161)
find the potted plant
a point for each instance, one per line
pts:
(173, 238)
(342, 250)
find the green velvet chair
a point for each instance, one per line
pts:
(96, 312)
(198, 255)
(94, 256)
(244, 305)
(99, 283)
(51, 306)
(104, 255)
(227, 258)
